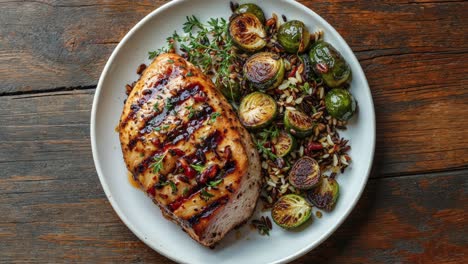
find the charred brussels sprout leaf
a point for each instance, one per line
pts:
(291, 211)
(257, 110)
(305, 174)
(253, 9)
(294, 36)
(340, 104)
(247, 32)
(300, 124)
(264, 70)
(329, 65)
(283, 144)
(326, 194)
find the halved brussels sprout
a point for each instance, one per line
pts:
(253, 9)
(294, 36)
(264, 70)
(301, 124)
(340, 104)
(305, 174)
(291, 211)
(326, 194)
(229, 88)
(308, 68)
(247, 32)
(329, 64)
(283, 144)
(257, 110)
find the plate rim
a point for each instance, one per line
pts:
(105, 186)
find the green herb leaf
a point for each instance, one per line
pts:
(173, 187)
(169, 104)
(263, 149)
(213, 117)
(157, 164)
(215, 183)
(192, 23)
(185, 191)
(189, 74)
(205, 195)
(156, 106)
(170, 61)
(198, 168)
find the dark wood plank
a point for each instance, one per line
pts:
(53, 208)
(49, 44)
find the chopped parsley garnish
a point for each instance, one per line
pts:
(198, 168)
(173, 187)
(156, 106)
(191, 111)
(213, 117)
(169, 104)
(170, 61)
(205, 195)
(189, 74)
(215, 183)
(185, 191)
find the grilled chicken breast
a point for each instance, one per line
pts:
(185, 146)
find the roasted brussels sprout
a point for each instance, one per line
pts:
(328, 64)
(229, 88)
(300, 124)
(283, 144)
(305, 174)
(340, 104)
(257, 110)
(247, 32)
(291, 211)
(309, 73)
(326, 194)
(294, 36)
(264, 70)
(253, 9)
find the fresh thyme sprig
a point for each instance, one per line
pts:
(205, 45)
(158, 165)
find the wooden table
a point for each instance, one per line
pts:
(415, 206)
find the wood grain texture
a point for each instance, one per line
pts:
(414, 54)
(54, 210)
(65, 43)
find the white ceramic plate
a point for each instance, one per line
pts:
(139, 213)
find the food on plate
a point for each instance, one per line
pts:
(257, 110)
(294, 36)
(251, 8)
(326, 194)
(184, 144)
(264, 70)
(305, 174)
(291, 211)
(247, 32)
(283, 144)
(340, 104)
(299, 123)
(290, 89)
(329, 65)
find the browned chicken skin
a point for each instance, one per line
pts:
(184, 144)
